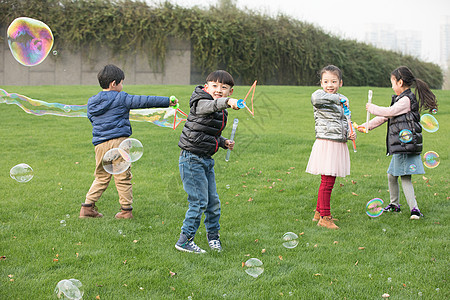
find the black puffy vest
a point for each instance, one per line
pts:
(410, 121)
(201, 133)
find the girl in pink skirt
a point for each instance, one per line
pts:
(329, 155)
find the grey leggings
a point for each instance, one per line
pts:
(408, 190)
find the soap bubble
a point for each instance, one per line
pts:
(434, 111)
(405, 136)
(116, 161)
(374, 207)
(133, 147)
(69, 289)
(429, 123)
(253, 267)
(21, 173)
(30, 41)
(412, 168)
(290, 240)
(63, 223)
(431, 159)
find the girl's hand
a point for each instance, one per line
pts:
(344, 101)
(367, 105)
(229, 144)
(352, 136)
(361, 129)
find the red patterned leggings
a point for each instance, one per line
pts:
(324, 196)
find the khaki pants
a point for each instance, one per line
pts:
(102, 178)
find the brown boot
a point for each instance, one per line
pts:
(125, 213)
(317, 217)
(327, 222)
(89, 211)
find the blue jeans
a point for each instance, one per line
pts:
(199, 182)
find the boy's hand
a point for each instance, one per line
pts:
(344, 101)
(233, 103)
(229, 144)
(173, 101)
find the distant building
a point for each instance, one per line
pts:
(445, 43)
(384, 36)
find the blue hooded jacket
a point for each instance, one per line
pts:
(109, 113)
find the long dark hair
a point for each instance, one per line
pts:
(423, 93)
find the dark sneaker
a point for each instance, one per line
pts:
(214, 242)
(392, 207)
(416, 214)
(188, 245)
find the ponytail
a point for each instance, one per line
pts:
(425, 96)
(423, 93)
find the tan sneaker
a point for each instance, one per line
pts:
(89, 211)
(317, 217)
(125, 213)
(327, 222)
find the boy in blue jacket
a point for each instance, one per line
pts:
(109, 113)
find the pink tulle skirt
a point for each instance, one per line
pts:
(329, 158)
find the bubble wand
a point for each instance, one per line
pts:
(348, 113)
(233, 132)
(368, 113)
(241, 102)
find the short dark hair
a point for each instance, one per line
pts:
(108, 74)
(331, 69)
(221, 76)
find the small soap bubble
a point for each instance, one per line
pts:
(405, 136)
(290, 240)
(389, 279)
(55, 52)
(434, 111)
(253, 267)
(69, 289)
(412, 167)
(29, 40)
(21, 173)
(120, 231)
(431, 159)
(437, 289)
(420, 294)
(374, 208)
(429, 123)
(114, 162)
(133, 147)
(384, 230)
(63, 223)
(227, 186)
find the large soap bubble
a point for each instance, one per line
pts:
(30, 41)
(431, 159)
(374, 207)
(116, 161)
(290, 240)
(133, 147)
(69, 289)
(405, 136)
(429, 123)
(21, 173)
(253, 267)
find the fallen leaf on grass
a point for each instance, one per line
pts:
(354, 194)
(280, 257)
(172, 273)
(250, 199)
(361, 248)
(301, 233)
(124, 262)
(335, 242)
(55, 259)
(356, 263)
(135, 241)
(10, 275)
(3, 257)
(97, 297)
(263, 251)
(385, 295)
(354, 182)
(172, 288)
(317, 274)
(243, 264)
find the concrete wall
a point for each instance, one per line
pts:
(62, 67)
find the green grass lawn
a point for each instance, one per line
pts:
(264, 191)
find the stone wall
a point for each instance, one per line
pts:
(63, 67)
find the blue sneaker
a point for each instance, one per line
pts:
(214, 241)
(392, 207)
(188, 245)
(416, 214)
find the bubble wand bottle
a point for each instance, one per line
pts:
(233, 132)
(348, 113)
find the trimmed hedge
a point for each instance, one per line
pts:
(249, 45)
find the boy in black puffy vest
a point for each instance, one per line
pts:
(199, 140)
